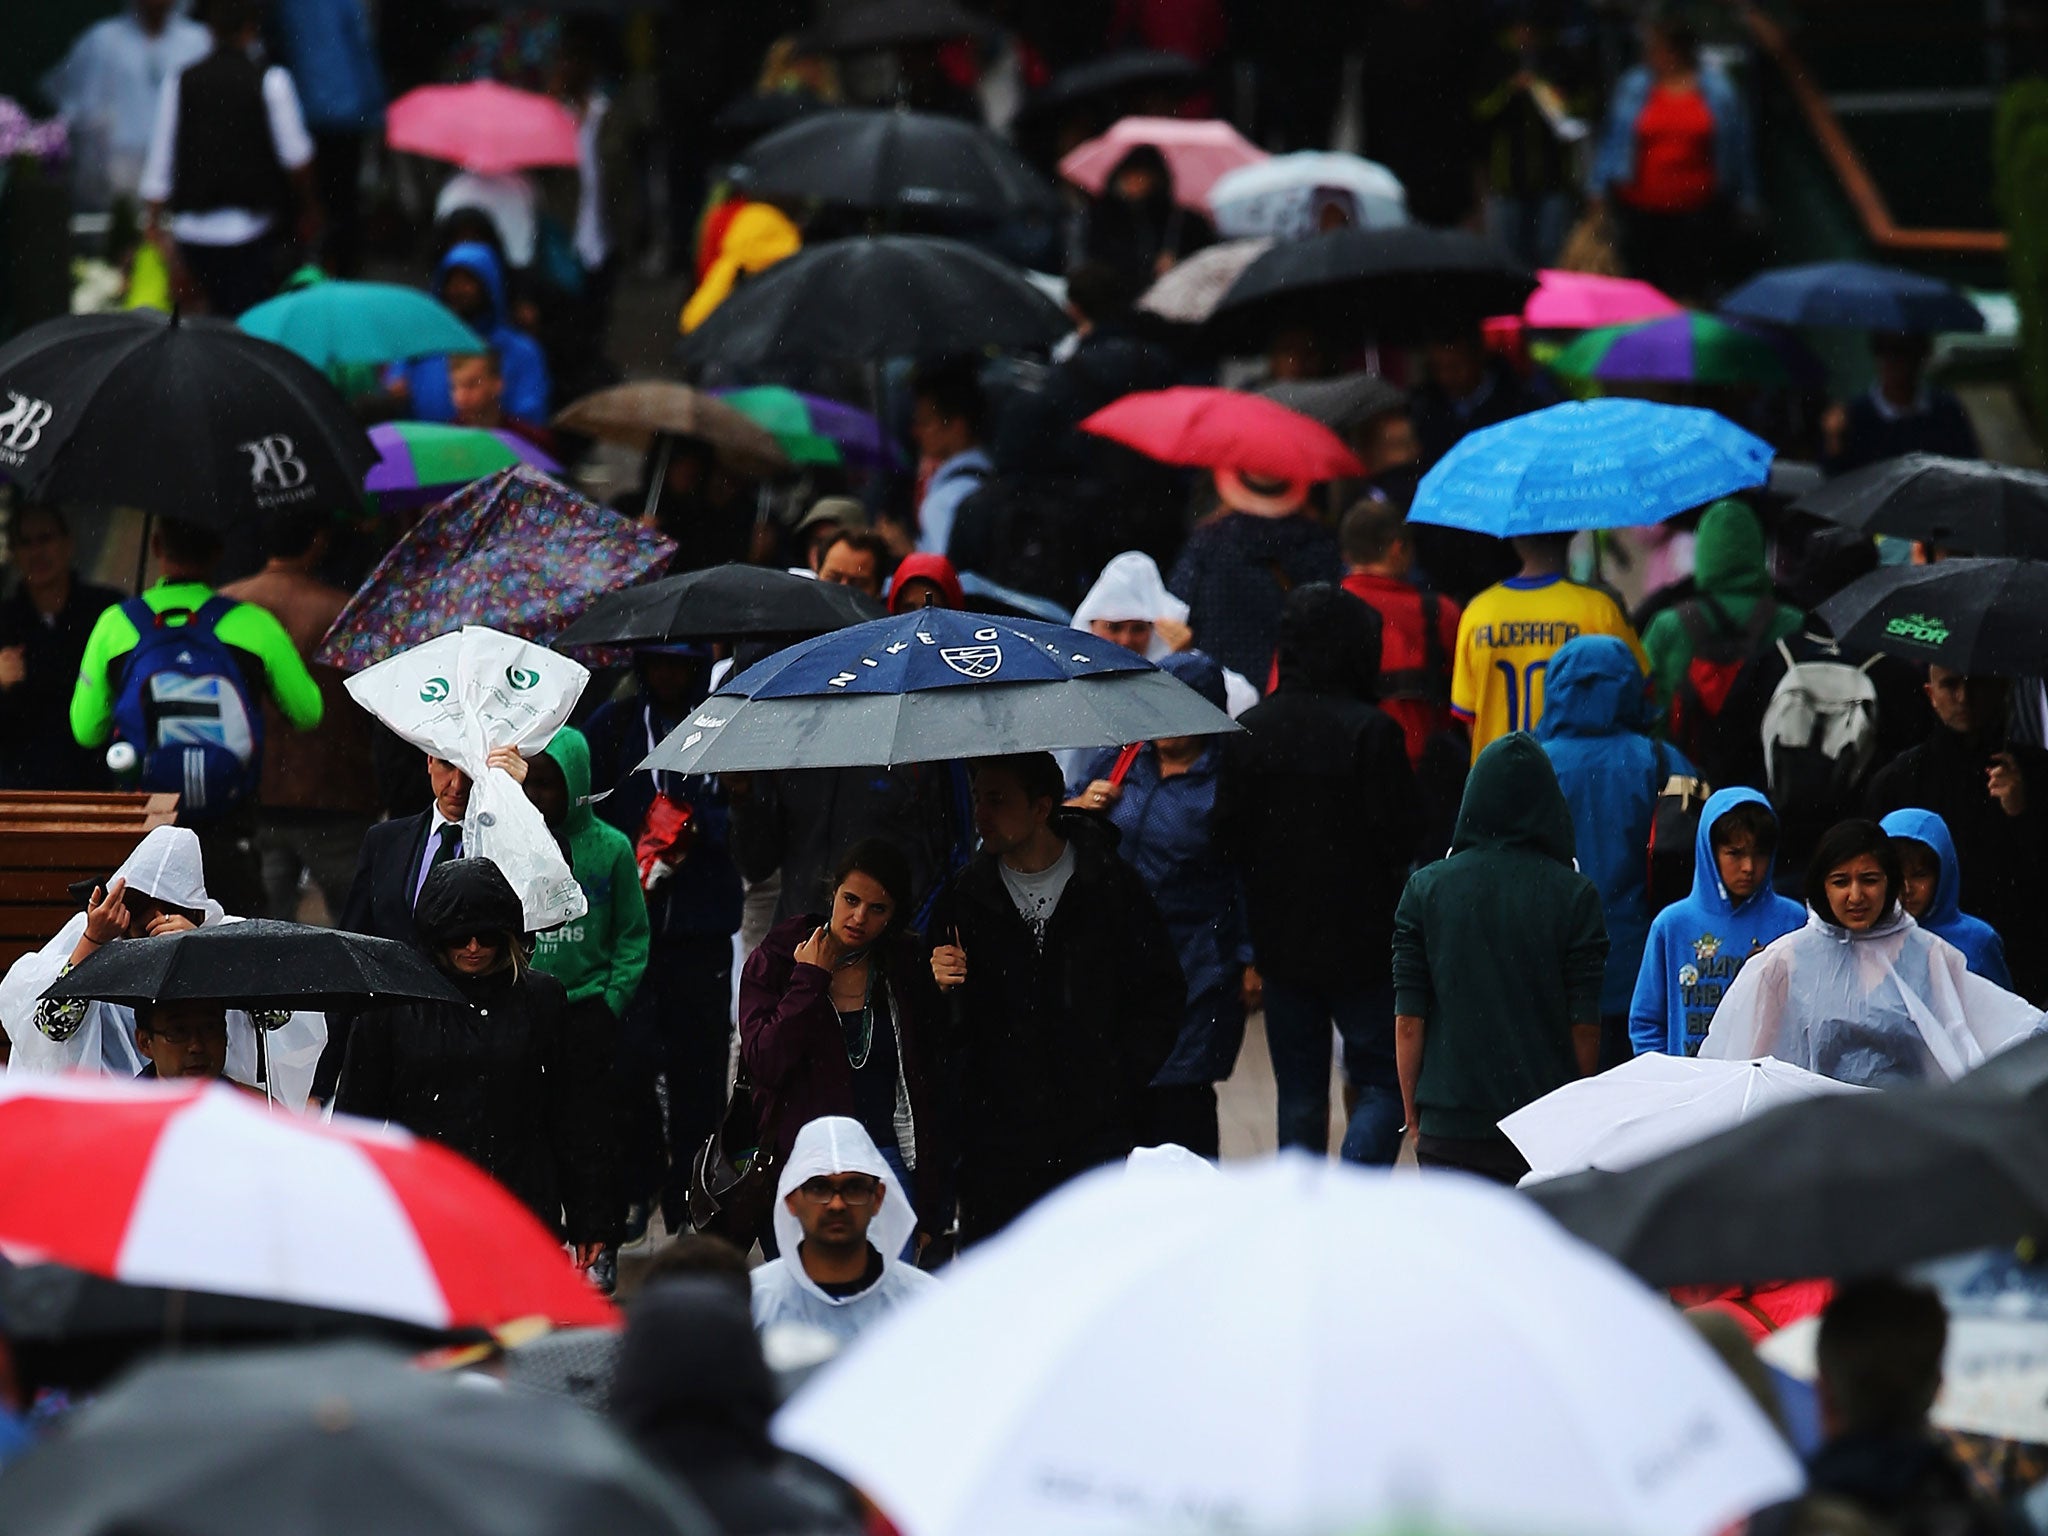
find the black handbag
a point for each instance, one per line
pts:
(732, 1177)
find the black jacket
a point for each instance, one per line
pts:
(497, 1081)
(1318, 807)
(36, 747)
(1906, 1483)
(380, 897)
(1049, 1054)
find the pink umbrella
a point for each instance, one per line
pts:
(1579, 301)
(1197, 150)
(483, 127)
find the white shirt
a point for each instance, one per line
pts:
(593, 240)
(107, 87)
(224, 226)
(1037, 896)
(507, 199)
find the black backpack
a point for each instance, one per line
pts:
(1032, 534)
(1676, 805)
(1718, 706)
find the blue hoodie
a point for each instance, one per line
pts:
(1977, 939)
(1698, 945)
(520, 360)
(1596, 715)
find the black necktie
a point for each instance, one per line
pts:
(446, 845)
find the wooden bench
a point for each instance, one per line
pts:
(48, 839)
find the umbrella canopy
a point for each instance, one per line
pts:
(1401, 284)
(1852, 1184)
(1225, 429)
(1108, 1364)
(516, 552)
(203, 1188)
(189, 419)
(339, 324)
(1854, 294)
(929, 686)
(888, 162)
(1688, 348)
(872, 25)
(1962, 504)
(726, 602)
(876, 297)
(422, 461)
(483, 127)
(1134, 70)
(1589, 464)
(258, 963)
(334, 1440)
(2020, 1073)
(812, 429)
(636, 414)
(1342, 404)
(1198, 151)
(1985, 617)
(1581, 301)
(1290, 196)
(1649, 1106)
(1190, 292)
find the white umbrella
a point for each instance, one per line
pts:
(1649, 1106)
(1288, 196)
(1293, 1344)
(1190, 291)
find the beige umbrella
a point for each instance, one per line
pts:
(653, 412)
(1189, 293)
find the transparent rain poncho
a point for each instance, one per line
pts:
(1889, 1005)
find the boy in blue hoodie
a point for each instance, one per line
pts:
(471, 281)
(1696, 946)
(1932, 892)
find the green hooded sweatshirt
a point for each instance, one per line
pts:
(603, 952)
(1500, 949)
(1728, 565)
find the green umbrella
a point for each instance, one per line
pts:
(419, 461)
(1691, 348)
(334, 323)
(813, 429)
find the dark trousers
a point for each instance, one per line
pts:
(678, 1028)
(593, 1039)
(233, 277)
(337, 174)
(1491, 1157)
(1185, 1115)
(1298, 1022)
(232, 865)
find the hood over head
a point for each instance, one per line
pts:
(1594, 688)
(1728, 553)
(167, 867)
(1130, 587)
(839, 1144)
(571, 751)
(1201, 672)
(933, 568)
(481, 262)
(690, 1383)
(468, 896)
(1927, 827)
(1707, 889)
(1512, 800)
(1329, 643)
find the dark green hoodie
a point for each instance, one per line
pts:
(1730, 565)
(603, 952)
(1499, 948)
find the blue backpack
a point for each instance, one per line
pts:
(186, 708)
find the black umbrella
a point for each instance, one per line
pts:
(725, 602)
(877, 24)
(1962, 504)
(871, 298)
(1408, 284)
(257, 964)
(192, 419)
(1342, 404)
(2018, 1073)
(1847, 1184)
(1987, 617)
(1128, 70)
(335, 1441)
(896, 163)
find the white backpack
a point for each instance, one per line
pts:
(1819, 733)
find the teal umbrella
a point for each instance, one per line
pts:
(331, 324)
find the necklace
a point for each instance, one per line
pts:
(857, 1056)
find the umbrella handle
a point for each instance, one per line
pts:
(664, 446)
(1122, 768)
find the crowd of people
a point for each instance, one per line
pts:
(1485, 827)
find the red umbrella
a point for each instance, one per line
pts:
(205, 1189)
(1223, 429)
(483, 127)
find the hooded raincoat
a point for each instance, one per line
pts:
(1596, 718)
(604, 952)
(1698, 945)
(1499, 949)
(1729, 566)
(1978, 940)
(783, 1292)
(100, 1037)
(1888, 1005)
(520, 360)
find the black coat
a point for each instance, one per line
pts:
(1318, 808)
(1049, 1054)
(380, 897)
(498, 1081)
(37, 750)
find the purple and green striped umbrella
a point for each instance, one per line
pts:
(1689, 348)
(813, 429)
(421, 461)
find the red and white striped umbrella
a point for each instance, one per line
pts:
(204, 1189)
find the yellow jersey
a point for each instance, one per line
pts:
(1506, 638)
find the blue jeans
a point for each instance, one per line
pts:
(1298, 1020)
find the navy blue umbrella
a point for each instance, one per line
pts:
(1855, 294)
(931, 686)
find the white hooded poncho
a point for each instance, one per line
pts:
(1892, 1004)
(166, 866)
(1129, 589)
(783, 1293)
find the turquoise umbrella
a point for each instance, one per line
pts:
(333, 324)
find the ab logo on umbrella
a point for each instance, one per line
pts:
(21, 426)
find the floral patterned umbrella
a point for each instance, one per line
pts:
(516, 552)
